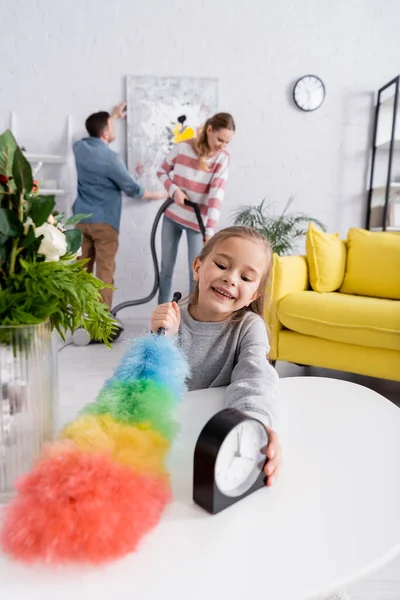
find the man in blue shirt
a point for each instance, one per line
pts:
(102, 176)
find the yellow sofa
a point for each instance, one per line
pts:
(339, 328)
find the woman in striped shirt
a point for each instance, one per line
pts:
(196, 170)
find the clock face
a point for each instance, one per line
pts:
(241, 458)
(309, 93)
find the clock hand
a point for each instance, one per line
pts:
(239, 439)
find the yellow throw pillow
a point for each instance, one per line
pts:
(373, 264)
(326, 257)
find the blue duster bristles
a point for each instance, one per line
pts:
(154, 357)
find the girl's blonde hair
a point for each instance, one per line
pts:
(217, 122)
(247, 233)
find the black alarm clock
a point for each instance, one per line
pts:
(229, 460)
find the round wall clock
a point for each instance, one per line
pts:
(229, 460)
(309, 92)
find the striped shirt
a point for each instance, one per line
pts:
(181, 169)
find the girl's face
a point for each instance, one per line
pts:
(228, 278)
(218, 139)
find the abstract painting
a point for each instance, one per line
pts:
(162, 111)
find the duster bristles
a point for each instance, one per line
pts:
(143, 450)
(81, 506)
(156, 358)
(103, 484)
(140, 401)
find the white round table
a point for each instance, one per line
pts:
(332, 517)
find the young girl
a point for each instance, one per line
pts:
(222, 330)
(196, 170)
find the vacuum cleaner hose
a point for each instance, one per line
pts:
(159, 214)
(81, 336)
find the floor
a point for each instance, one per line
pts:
(82, 371)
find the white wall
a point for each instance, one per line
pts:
(71, 56)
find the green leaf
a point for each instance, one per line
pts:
(65, 293)
(41, 208)
(32, 250)
(76, 219)
(282, 231)
(8, 146)
(3, 239)
(29, 238)
(74, 240)
(22, 173)
(4, 249)
(27, 318)
(10, 226)
(58, 216)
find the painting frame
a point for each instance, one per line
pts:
(162, 111)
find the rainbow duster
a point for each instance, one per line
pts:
(103, 484)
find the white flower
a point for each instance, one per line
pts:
(54, 243)
(51, 219)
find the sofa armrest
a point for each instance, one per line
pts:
(289, 274)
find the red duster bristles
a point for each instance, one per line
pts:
(113, 507)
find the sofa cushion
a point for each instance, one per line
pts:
(326, 257)
(356, 320)
(373, 264)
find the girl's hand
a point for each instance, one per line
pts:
(168, 316)
(274, 454)
(180, 197)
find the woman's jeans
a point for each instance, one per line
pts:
(170, 236)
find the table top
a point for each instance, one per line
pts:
(332, 517)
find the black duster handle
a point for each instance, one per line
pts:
(175, 298)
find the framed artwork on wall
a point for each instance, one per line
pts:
(163, 111)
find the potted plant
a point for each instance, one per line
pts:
(282, 231)
(43, 287)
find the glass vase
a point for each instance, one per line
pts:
(28, 398)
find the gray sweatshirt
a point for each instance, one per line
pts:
(233, 355)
